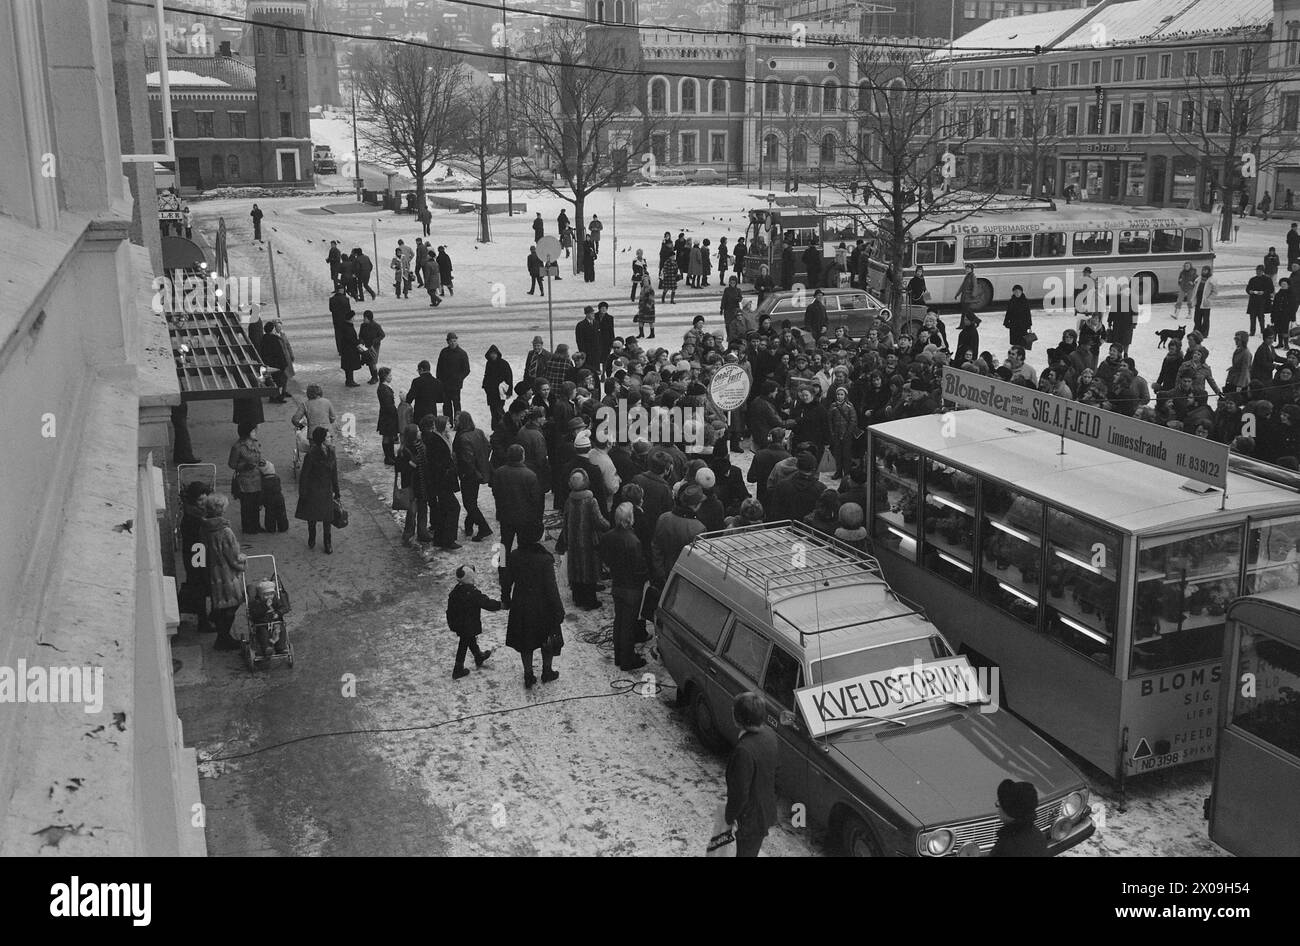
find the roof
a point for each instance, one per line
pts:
(1272, 611)
(200, 72)
(1121, 492)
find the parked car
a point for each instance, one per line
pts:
(855, 309)
(708, 176)
(811, 624)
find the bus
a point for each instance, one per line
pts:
(1097, 583)
(1130, 249)
(1257, 768)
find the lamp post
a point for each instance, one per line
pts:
(356, 153)
(505, 83)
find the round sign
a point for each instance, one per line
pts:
(729, 387)
(548, 248)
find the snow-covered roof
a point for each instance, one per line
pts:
(185, 77)
(204, 72)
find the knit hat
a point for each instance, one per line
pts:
(851, 515)
(577, 423)
(807, 463)
(705, 478)
(751, 510)
(582, 442)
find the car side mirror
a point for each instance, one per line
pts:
(787, 719)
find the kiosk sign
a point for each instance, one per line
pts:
(1194, 457)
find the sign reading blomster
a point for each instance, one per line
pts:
(1194, 457)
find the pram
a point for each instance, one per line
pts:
(300, 445)
(268, 631)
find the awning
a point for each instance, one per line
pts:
(214, 357)
(180, 253)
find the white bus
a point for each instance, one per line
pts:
(1045, 251)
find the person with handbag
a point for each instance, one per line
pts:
(318, 488)
(246, 460)
(530, 577)
(1019, 318)
(388, 425)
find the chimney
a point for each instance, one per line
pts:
(224, 49)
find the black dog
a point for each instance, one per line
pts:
(1168, 334)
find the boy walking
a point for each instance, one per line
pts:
(464, 618)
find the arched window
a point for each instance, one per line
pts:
(618, 11)
(718, 96)
(827, 154)
(771, 148)
(772, 96)
(800, 152)
(830, 96)
(600, 11)
(801, 96)
(281, 42)
(232, 167)
(658, 95)
(690, 91)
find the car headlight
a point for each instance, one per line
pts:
(937, 843)
(1074, 804)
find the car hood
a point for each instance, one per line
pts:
(949, 769)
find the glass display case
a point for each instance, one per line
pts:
(1083, 559)
(949, 522)
(1272, 559)
(895, 504)
(1011, 553)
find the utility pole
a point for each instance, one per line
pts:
(356, 153)
(505, 82)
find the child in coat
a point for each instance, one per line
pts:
(266, 612)
(464, 618)
(276, 515)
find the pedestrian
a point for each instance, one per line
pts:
(530, 577)
(1019, 318)
(645, 310)
(388, 417)
(1265, 205)
(674, 530)
(604, 338)
(365, 267)
(256, 214)
(594, 229)
(225, 563)
(535, 284)
(966, 291)
(444, 272)
(1284, 309)
(247, 462)
(333, 258)
(621, 553)
(453, 369)
(1203, 296)
(1272, 262)
(465, 607)
(398, 266)
(498, 382)
(583, 525)
(813, 264)
(739, 253)
(639, 269)
(425, 216)
(518, 496)
(751, 775)
(724, 260)
(187, 219)
(588, 261)
(371, 334)
(411, 463)
(585, 333)
(815, 319)
(1019, 835)
(787, 266)
(1259, 298)
(348, 274)
(348, 345)
(539, 227)
(276, 355)
(426, 392)
(442, 480)
(432, 281)
(668, 274)
(472, 451)
(565, 230)
(1292, 246)
(318, 488)
(421, 257)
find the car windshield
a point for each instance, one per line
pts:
(879, 658)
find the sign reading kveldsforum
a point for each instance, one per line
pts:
(1196, 458)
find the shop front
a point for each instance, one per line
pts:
(1114, 172)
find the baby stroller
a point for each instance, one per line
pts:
(300, 445)
(267, 605)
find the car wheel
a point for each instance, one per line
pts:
(856, 838)
(706, 726)
(983, 296)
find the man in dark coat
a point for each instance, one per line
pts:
(675, 530)
(530, 577)
(346, 341)
(767, 457)
(421, 257)
(533, 442)
(453, 369)
(751, 775)
(795, 497)
(787, 266)
(340, 304)
(812, 262)
(604, 339)
(372, 336)
(620, 550)
(444, 272)
(365, 266)
(535, 284)
(443, 482)
(815, 319)
(256, 214)
(425, 393)
(334, 257)
(654, 483)
(585, 333)
(518, 496)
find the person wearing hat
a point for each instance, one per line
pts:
(795, 496)
(519, 498)
(563, 453)
(1019, 835)
(711, 513)
(583, 525)
(850, 530)
(584, 333)
(530, 577)
(318, 488)
(676, 529)
(582, 460)
(600, 361)
(749, 514)
(533, 441)
(453, 369)
(465, 605)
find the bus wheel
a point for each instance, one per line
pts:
(1148, 288)
(983, 294)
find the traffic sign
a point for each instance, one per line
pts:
(548, 248)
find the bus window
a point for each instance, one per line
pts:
(1271, 558)
(894, 500)
(1012, 551)
(1194, 240)
(1134, 241)
(1268, 712)
(949, 524)
(936, 252)
(1167, 241)
(1084, 559)
(979, 247)
(1185, 583)
(1049, 245)
(1093, 243)
(1015, 246)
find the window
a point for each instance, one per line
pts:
(1190, 64)
(1167, 241)
(1270, 712)
(963, 122)
(1115, 124)
(702, 614)
(1132, 242)
(1054, 75)
(1185, 583)
(1140, 68)
(286, 124)
(1013, 76)
(1194, 240)
(1015, 246)
(784, 676)
(979, 81)
(936, 252)
(830, 97)
(1011, 122)
(1166, 65)
(801, 96)
(997, 79)
(1243, 116)
(950, 523)
(1272, 560)
(238, 124)
(1049, 245)
(1012, 553)
(977, 126)
(1093, 243)
(1292, 45)
(259, 40)
(1245, 59)
(1029, 77)
(658, 95)
(689, 152)
(995, 123)
(301, 47)
(659, 148)
(718, 147)
(746, 650)
(1074, 73)
(1138, 122)
(1094, 71)
(1291, 112)
(203, 125)
(1072, 119)
(965, 80)
(772, 96)
(969, 10)
(986, 10)
(976, 248)
(1051, 123)
(895, 498)
(1214, 117)
(1162, 117)
(1187, 119)
(232, 167)
(1092, 128)
(176, 123)
(690, 89)
(827, 150)
(1217, 60)
(281, 43)
(771, 148)
(718, 96)
(800, 152)
(618, 11)
(864, 96)
(218, 167)
(1117, 70)
(1083, 565)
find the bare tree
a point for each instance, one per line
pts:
(1229, 121)
(1037, 132)
(911, 129)
(414, 97)
(486, 141)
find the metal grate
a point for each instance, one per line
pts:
(985, 831)
(214, 358)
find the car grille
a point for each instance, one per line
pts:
(985, 831)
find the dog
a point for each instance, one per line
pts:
(1171, 334)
